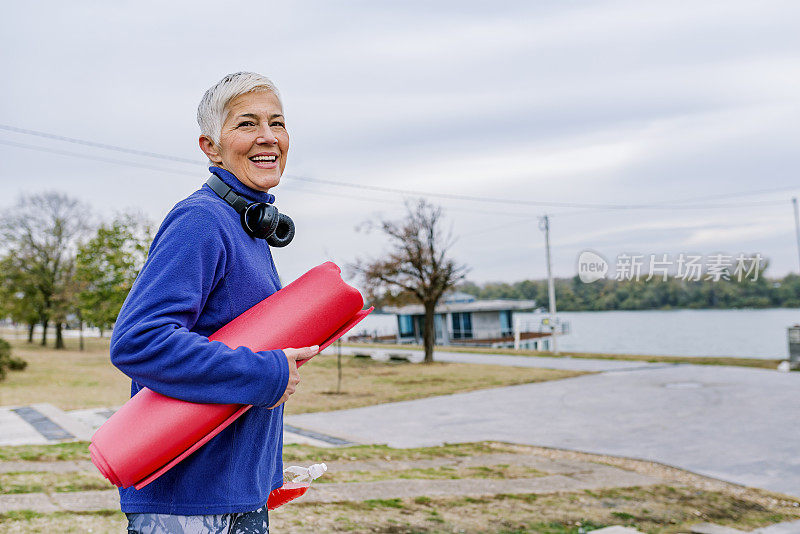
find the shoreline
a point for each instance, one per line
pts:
(761, 363)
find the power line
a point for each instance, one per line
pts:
(678, 204)
(95, 158)
(657, 205)
(754, 192)
(167, 157)
(194, 174)
(128, 163)
(95, 144)
(666, 205)
(521, 216)
(290, 186)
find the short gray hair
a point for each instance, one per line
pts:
(211, 111)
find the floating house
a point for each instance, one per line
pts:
(461, 319)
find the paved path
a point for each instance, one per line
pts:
(788, 527)
(42, 424)
(736, 424)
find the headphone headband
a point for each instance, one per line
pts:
(225, 192)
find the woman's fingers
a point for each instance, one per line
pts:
(292, 355)
(301, 354)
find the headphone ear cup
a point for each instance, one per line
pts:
(260, 220)
(247, 218)
(284, 233)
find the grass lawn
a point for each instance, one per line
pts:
(73, 379)
(657, 509)
(29, 522)
(292, 453)
(70, 379)
(37, 482)
(699, 360)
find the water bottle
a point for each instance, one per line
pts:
(296, 481)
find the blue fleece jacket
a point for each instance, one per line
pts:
(203, 270)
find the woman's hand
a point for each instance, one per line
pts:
(292, 355)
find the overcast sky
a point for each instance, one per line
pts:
(597, 103)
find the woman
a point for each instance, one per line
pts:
(202, 271)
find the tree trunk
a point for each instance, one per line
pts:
(59, 335)
(31, 326)
(429, 332)
(45, 323)
(80, 335)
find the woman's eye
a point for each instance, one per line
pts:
(246, 123)
(278, 123)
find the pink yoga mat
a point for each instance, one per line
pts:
(316, 309)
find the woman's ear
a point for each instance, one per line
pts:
(210, 149)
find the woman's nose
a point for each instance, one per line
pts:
(266, 137)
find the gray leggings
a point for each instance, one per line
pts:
(255, 522)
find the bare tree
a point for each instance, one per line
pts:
(416, 267)
(42, 232)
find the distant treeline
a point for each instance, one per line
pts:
(607, 294)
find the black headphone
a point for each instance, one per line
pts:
(259, 219)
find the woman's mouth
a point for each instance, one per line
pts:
(265, 161)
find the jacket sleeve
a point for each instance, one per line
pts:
(152, 340)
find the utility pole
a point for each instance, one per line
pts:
(796, 225)
(339, 364)
(544, 225)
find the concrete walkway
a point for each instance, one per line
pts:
(43, 424)
(736, 424)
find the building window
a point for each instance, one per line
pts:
(406, 325)
(462, 325)
(506, 324)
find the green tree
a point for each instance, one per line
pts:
(19, 297)
(107, 265)
(41, 234)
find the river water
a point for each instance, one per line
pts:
(739, 333)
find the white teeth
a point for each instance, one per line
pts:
(264, 158)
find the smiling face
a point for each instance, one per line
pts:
(254, 142)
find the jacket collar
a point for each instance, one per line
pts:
(239, 188)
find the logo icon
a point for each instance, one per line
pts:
(591, 266)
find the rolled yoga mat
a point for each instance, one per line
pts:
(316, 309)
